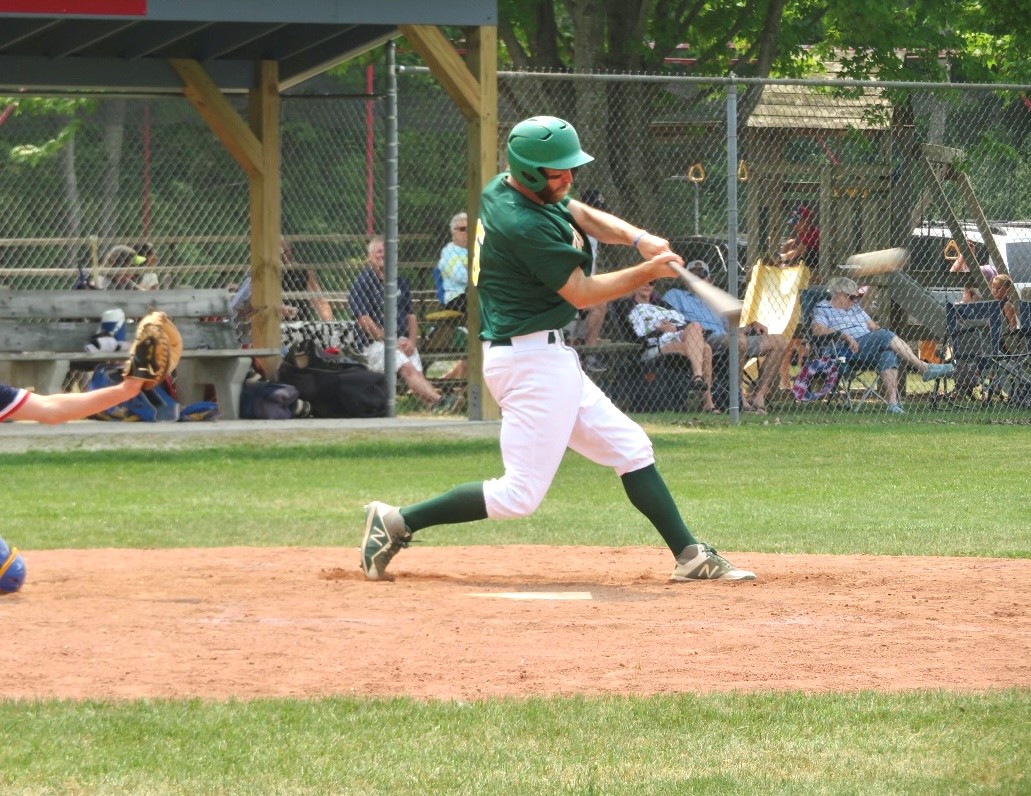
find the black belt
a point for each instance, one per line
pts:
(508, 340)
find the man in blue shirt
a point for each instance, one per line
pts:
(753, 340)
(452, 265)
(366, 299)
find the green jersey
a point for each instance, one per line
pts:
(524, 254)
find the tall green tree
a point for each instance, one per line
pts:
(928, 40)
(984, 39)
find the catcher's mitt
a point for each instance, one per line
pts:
(155, 351)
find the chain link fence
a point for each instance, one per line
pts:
(940, 171)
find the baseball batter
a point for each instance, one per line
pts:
(532, 270)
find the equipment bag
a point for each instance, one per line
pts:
(266, 400)
(150, 406)
(335, 386)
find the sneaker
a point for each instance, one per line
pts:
(702, 562)
(385, 535)
(449, 403)
(301, 408)
(939, 372)
(895, 409)
(594, 364)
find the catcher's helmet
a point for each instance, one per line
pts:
(12, 569)
(543, 142)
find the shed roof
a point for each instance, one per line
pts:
(125, 45)
(784, 106)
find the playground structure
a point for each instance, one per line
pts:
(861, 204)
(800, 152)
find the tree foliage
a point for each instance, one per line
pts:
(923, 39)
(914, 40)
(68, 112)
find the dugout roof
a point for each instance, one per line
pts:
(208, 49)
(126, 45)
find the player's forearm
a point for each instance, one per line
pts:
(606, 227)
(583, 291)
(62, 407)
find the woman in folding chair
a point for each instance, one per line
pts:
(839, 322)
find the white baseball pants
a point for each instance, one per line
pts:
(548, 404)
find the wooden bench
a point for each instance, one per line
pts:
(43, 332)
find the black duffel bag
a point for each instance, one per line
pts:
(334, 384)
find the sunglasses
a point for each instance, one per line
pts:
(461, 229)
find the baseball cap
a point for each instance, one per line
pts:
(698, 265)
(803, 211)
(123, 257)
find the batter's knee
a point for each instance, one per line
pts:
(507, 498)
(637, 456)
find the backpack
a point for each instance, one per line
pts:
(334, 385)
(266, 400)
(150, 406)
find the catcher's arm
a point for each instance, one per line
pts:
(156, 350)
(65, 406)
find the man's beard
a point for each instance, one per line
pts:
(551, 196)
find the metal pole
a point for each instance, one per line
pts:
(733, 356)
(697, 188)
(390, 240)
(370, 184)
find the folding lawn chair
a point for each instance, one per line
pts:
(986, 367)
(830, 371)
(443, 331)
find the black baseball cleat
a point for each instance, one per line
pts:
(385, 536)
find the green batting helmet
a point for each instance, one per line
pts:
(543, 142)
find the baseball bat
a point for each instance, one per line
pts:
(719, 300)
(882, 261)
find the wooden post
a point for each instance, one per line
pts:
(266, 215)
(255, 146)
(482, 141)
(473, 85)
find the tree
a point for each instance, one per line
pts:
(69, 115)
(921, 40)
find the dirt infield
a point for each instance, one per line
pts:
(245, 622)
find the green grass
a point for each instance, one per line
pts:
(916, 490)
(864, 743)
(887, 489)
